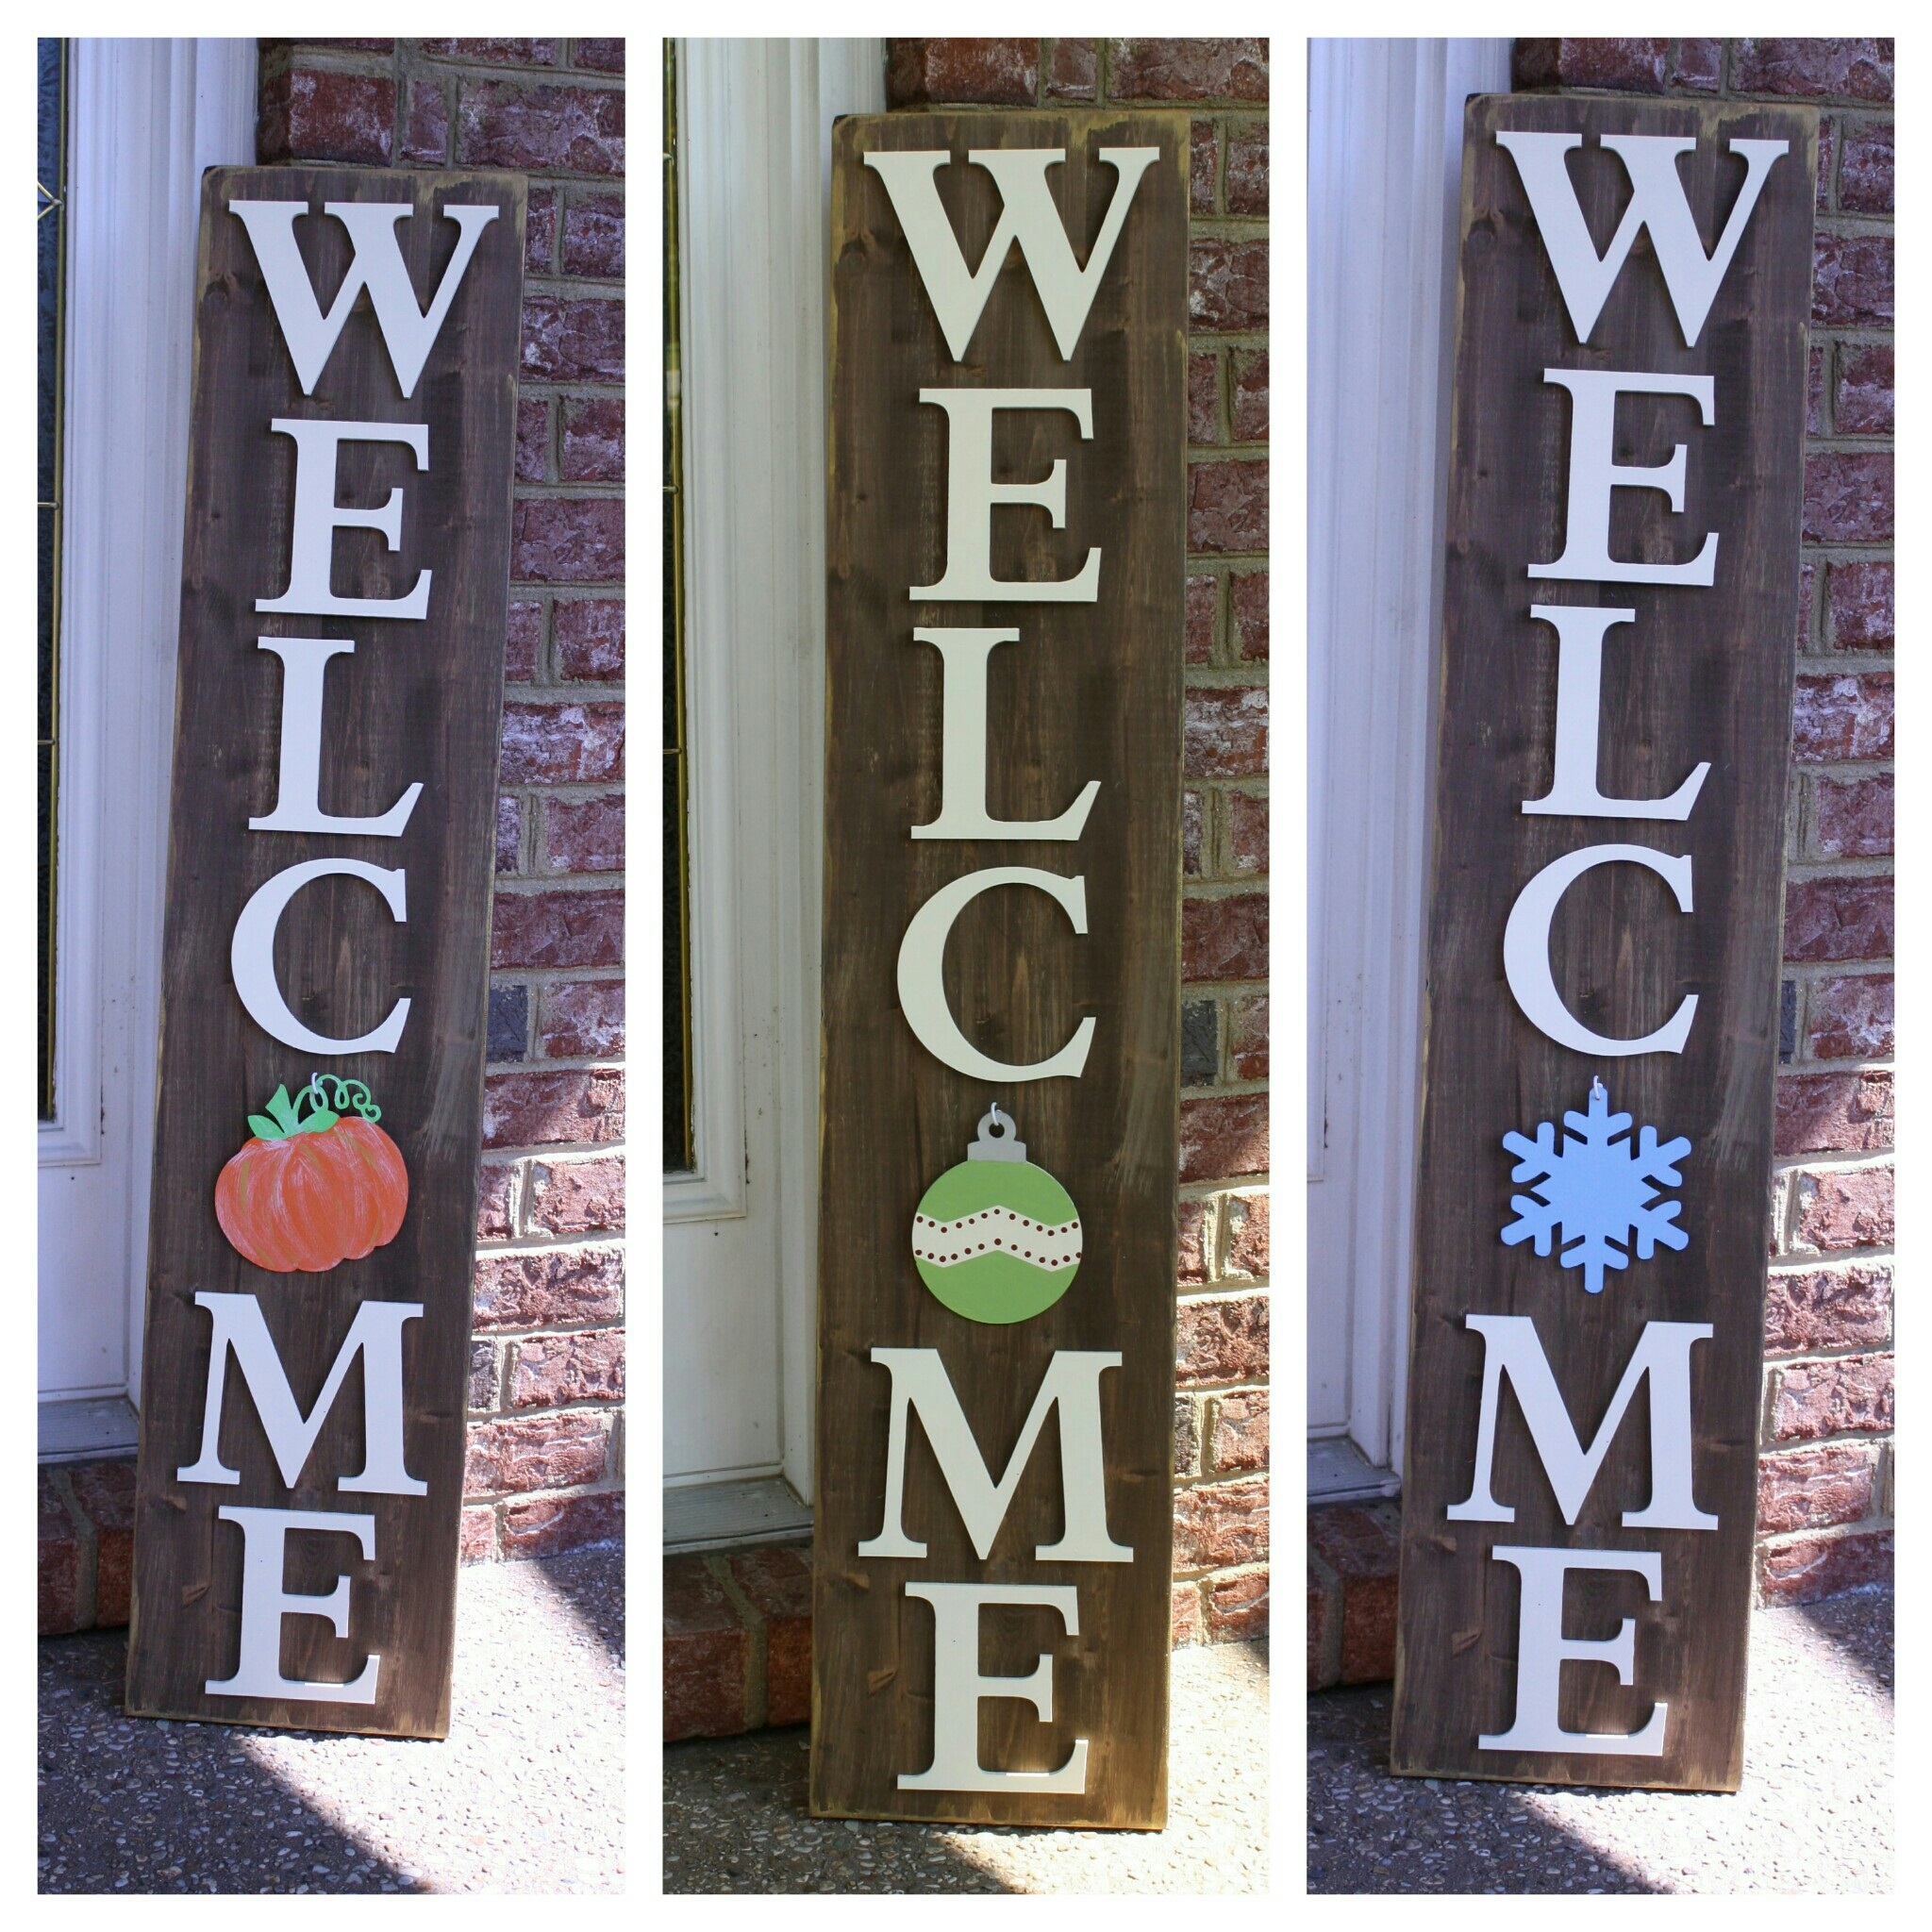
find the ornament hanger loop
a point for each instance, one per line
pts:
(998, 1138)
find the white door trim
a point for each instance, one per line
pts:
(1385, 166)
(755, 125)
(147, 117)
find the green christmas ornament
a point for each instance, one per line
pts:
(996, 1238)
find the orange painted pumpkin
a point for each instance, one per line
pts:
(317, 1185)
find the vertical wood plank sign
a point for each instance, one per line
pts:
(1001, 962)
(344, 586)
(1591, 1225)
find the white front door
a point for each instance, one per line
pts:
(144, 118)
(754, 135)
(1384, 165)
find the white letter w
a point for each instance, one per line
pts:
(375, 263)
(1027, 216)
(1657, 202)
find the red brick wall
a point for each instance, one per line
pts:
(1221, 1401)
(546, 1384)
(1826, 1484)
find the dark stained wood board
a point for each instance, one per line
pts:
(417, 701)
(1090, 690)
(1702, 673)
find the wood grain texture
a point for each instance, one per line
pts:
(1089, 692)
(416, 701)
(1702, 674)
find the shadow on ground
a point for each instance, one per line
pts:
(525, 1794)
(1814, 1812)
(735, 1817)
(143, 1807)
(1370, 1832)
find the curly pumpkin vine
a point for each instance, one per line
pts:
(319, 1183)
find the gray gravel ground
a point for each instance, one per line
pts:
(735, 1814)
(1814, 1812)
(525, 1794)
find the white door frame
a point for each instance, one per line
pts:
(753, 168)
(1385, 166)
(146, 118)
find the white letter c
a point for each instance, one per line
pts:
(1527, 950)
(921, 981)
(252, 956)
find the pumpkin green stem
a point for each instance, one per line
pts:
(287, 1118)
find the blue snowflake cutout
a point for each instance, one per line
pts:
(1601, 1190)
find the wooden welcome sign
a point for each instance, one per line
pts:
(997, 1208)
(1592, 1218)
(345, 584)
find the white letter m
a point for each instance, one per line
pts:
(1662, 1353)
(1073, 1380)
(376, 1333)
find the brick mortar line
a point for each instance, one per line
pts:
(565, 976)
(578, 1063)
(1850, 772)
(495, 1157)
(544, 388)
(539, 1244)
(542, 1411)
(1802, 1264)
(1194, 1578)
(1877, 867)
(454, 67)
(756, 1681)
(576, 288)
(1218, 1479)
(608, 1486)
(527, 885)
(1807, 1067)
(567, 1063)
(1797, 1264)
(550, 1331)
(1769, 1445)
(528, 491)
(525, 1149)
(1202, 1190)
(1834, 1160)
(1226, 1183)
(1876, 443)
(87, 1562)
(1835, 1532)
(565, 791)
(1827, 1356)
(1240, 673)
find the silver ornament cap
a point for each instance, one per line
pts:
(996, 1139)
